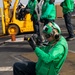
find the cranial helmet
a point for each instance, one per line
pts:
(51, 28)
(48, 29)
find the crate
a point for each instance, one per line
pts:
(59, 13)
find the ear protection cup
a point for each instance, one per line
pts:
(56, 34)
(56, 37)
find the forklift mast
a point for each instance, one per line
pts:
(6, 11)
(14, 9)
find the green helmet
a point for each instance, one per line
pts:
(48, 29)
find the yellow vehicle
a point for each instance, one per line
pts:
(11, 24)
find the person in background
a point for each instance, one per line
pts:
(38, 13)
(51, 57)
(32, 5)
(48, 12)
(68, 7)
(20, 11)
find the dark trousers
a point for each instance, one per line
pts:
(67, 18)
(27, 68)
(37, 29)
(47, 21)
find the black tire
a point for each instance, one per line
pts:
(13, 29)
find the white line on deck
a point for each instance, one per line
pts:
(7, 68)
(71, 51)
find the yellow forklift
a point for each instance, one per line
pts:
(11, 23)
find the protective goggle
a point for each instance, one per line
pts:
(47, 35)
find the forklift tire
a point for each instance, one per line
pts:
(13, 29)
